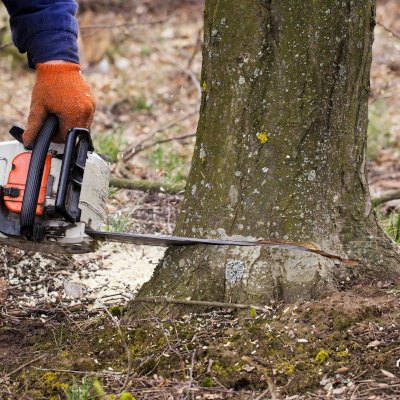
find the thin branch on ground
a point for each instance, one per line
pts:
(148, 186)
(190, 383)
(161, 326)
(271, 386)
(137, 147)
(384, 198)
(24, 365)
(70, 371)
(70, 319)
(117, 324)
(169, 300)
(394, 34)
(27, 284)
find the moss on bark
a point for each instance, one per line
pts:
(280, 154)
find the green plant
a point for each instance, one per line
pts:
(110, 143)
(170, 162)
(126, 396)
(141, 104)
(378, 128)
(81, 391)
(391, 225)
(121, 221)
(145, 51)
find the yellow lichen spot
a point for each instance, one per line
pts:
(285, 368)
(126, 396)
(322, 356)
(203, 159)
(60, 385)
(262, 137)
(50, 376)
(204, 86)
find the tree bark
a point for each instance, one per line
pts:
(279, 155)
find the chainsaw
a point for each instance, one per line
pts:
(53, 198)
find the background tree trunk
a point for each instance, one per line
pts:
(280, 154)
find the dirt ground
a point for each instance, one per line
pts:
(145, 76)
(345, 346)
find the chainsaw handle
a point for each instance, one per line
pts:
(77, 146)
(35, 175)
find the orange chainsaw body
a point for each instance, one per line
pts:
(15, 186)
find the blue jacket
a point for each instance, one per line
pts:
(45, 29)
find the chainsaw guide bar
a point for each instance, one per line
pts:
(166, 241)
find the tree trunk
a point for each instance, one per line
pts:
(280, 155)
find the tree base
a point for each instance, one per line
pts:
(261, 276)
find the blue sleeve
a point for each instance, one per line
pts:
(45, 29)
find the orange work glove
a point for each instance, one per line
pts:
(61, 90)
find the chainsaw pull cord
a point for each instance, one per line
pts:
(35, 175)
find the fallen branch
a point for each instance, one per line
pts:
(27, 284)
(392, 195)
(148, 186)
(169, 300)
(71, 371)
(24, 365)
(117, 323)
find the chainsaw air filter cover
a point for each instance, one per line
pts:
(13, 193)
(65, 193)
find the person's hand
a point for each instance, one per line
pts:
(60, 90)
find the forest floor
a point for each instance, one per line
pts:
(55, 344)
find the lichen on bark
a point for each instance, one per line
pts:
(280, 154)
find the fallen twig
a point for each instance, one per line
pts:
(148, 186)
(169, 300)
(125, 345)
(190, 383)
(51, 311)
(25, 365)
(27, 284)
(172, 349)
(392, 195)
(71, 371)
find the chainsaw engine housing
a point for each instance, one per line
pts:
(71, 197)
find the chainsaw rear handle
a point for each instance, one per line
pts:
(35, 175)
